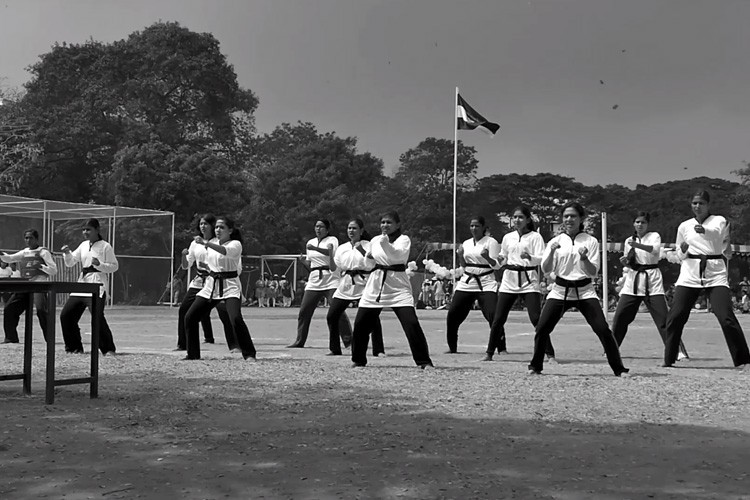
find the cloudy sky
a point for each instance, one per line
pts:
(386, 71)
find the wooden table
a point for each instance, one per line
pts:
(51, 289)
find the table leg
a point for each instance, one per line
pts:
(49, 393)
(27, 339)
(97, 308)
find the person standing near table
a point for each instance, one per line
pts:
(5, 272)
(98, 260)
(322, 282)
(478, 282)
(350, 261)
(36, 264)
(704, 249)
(574, 258)
(521, 253)
(389, 286)
(221, 286)
(643, 282)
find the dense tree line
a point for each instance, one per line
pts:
(159, 121)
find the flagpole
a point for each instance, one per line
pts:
(455, 180)
(605, 277)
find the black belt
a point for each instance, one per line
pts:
(219, 277)
(89, 270)
(385, 269)
(202, 272)
(568, 284)
(470, 276)
(521, 269)
(356, 272)
(704, 261)
(641, 268)
(320, 270)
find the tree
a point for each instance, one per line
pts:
(741, 209)
(301, 175)
(157, 176)
(497, 195)
(16, 147)
(617, 202)
(85, 103)
(428, 168)
(269, 149)
(423, 187)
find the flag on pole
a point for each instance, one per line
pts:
(469, 119)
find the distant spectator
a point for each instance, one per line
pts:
(273, 291)
(439, 293)
(260, 291)
(286, 292)
(426, 294)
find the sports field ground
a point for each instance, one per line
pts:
(302, 425)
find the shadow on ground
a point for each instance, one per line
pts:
(201, 438)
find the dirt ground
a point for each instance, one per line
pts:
(301, 425)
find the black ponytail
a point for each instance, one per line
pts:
(234, 231)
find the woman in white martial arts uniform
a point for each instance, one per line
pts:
(643, 282)
(389, 286)
(520, 253)
(322, 282)
(98, 260)
(224, 261)
(478, 282)
(351, 263)
(703, 246)
(36, 264)
(574, 258)
(196, 254)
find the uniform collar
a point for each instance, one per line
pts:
(393, 237)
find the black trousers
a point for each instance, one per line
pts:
(591, 309)
(627, 308)
(70, 316)
(365, 322)
(16, 306)
(208, 331)
(459, 309)
(336, 309)
(721, 305)
(310, 301)
(200, 308)
(505, 301)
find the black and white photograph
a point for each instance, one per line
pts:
(375, 249)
